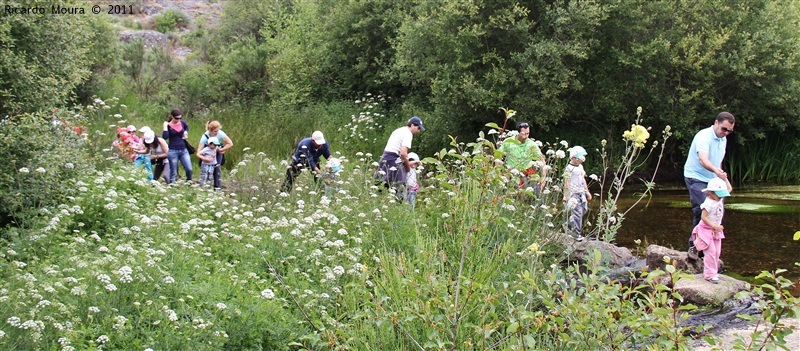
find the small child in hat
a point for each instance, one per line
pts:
(576, 191)
(208, 156)
(708, 234)
(334, 167)
(411, 178)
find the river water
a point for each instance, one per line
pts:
(759, 226)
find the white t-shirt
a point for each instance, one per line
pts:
(400, 137)
(576, 182)
(716, 209)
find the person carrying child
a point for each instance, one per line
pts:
(411, 178)
(208, 156)
(576, 191)
(708, 234)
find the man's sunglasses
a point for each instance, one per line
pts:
(726, 130)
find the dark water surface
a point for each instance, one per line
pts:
(759, 225)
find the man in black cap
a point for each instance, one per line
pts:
(394, 163)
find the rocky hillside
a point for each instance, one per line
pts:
(142, 25)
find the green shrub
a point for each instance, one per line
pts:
(170, 20)
(45, 156)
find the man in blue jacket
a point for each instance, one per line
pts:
(306, 156)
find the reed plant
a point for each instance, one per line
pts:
(767, 161)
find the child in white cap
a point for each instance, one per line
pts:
(208, 156)
(411, 178)
(576, 191)
(708, 234)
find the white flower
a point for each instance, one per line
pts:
(102, 339)
(221, 306)
(268, 294)
(41, 170)
(560, 154)
(572, 203)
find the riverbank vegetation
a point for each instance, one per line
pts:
(577, 69)
(122, 263)
(93, 256)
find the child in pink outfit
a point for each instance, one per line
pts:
(708, 234)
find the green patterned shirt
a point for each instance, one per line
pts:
(521, 156)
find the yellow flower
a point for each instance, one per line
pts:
(638, 135)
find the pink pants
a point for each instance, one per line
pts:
(710, 242)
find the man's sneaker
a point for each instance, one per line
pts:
(713, 280)
(693, 253)
(579, 238)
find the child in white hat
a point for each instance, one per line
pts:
(576, 191)
(708, 234)
(208, 156)
(411, 178)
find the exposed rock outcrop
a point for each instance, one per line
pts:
(150, 38)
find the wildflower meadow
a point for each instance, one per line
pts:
(124, 264)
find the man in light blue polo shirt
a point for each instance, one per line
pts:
(704, 161)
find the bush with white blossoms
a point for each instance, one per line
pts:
(355, 270)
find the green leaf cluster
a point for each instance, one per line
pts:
(44, 58)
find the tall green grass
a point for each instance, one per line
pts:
(771, 160)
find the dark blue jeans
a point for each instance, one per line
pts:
(696, 197)
(182, 155)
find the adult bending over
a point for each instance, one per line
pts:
(394, 163)
(306, 156)
(704, 162)
(176, 131)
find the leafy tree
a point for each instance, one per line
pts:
(43, 58)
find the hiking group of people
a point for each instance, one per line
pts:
(160, 155)
(707, 182)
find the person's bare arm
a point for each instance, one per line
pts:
(404, 157)
(706, 163)
(228, 145)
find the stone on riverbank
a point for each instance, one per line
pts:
(701, 292)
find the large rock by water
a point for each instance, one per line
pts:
(701, 292)
(655, 259)
(615, 255)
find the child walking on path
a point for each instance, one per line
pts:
(576, 192)
(208, 156)
(411, 178)
(708, 234)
